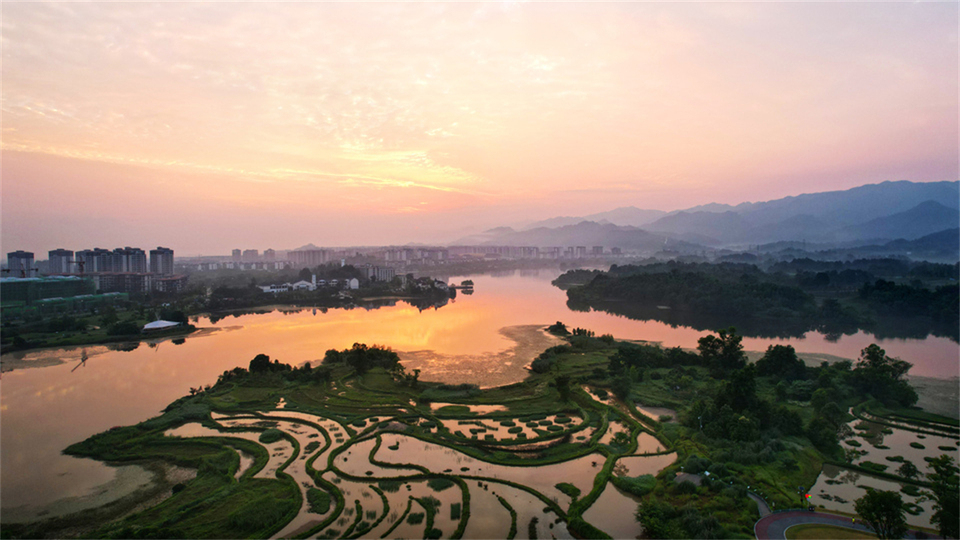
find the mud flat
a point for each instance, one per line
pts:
(488, 370)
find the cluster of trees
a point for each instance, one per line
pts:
(698, 291)
(362, 358)
(871, 269)
(889, 298)
(735, 412)
(883, 510)
(262, 366)
(702, 295)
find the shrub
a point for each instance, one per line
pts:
(319, 501)
(554, 428)
(563, 420)
(517, 429)
(391, 486)
(637, 486)
(271, 435)
(568, 489)
(871, 466)
(507, 423)
(917, 445)
(686, 487)
(455, 511)
(440, 484)
(910, 489)
(415, 518)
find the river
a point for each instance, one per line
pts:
(477, 338)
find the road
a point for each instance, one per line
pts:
(774, 526)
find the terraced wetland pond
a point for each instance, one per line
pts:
(367, 456)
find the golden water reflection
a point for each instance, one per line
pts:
(48, 408)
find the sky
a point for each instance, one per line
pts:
(211, 126)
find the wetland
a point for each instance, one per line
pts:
(374, 442)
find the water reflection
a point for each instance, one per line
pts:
(44, 410)
(779, 328)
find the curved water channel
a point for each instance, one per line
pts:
(487, 337)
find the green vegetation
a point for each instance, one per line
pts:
(319, 501)
(883, 511)
(440, 484)
(569, 490)
(770, 426)
(271, 435)
(787, 299)
(945, 491)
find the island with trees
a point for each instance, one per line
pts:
(889, 298)
(603, 438)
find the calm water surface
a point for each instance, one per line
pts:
(45, 409)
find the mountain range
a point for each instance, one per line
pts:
(868, 214)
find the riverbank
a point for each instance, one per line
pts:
(485, 370)
(60, 354)
(96, 336)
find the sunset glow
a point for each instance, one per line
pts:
(275, 125)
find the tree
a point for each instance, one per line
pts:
(305, 275)
(883, 376)
(563, 387)
(108, 316)
(908, 470)
(946, 496)
(723, 352)
(260, 364)
(883, 511)
(781, 361)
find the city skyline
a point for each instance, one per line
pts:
(213, 126)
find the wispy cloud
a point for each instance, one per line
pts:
(483, 104)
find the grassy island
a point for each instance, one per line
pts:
(358, 447)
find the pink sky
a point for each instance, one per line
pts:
(208, 126)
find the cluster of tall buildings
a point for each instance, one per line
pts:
(125, 269)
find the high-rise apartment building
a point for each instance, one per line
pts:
(269, 255)
(60, 261)
(20, 262)
(236, 255)
(161, 261)
(130, 259)
(308, 258)
(250, 255)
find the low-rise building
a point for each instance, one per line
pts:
(170, 284)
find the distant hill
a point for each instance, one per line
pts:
(945, 243)
(624, 216)
(868, 215)
(925, 218)
(854, 206)
(308, 247)
(589, 233)
(722, 226)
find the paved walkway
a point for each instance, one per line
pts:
(761, 504)
(774, 526)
